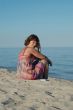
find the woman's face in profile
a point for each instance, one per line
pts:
(33, 43)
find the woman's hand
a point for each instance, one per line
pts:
(48, 60)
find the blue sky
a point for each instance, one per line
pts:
(51, 20)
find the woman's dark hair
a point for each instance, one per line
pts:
(33, 37)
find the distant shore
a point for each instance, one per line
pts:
(51, 94)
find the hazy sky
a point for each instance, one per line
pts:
(51, 20)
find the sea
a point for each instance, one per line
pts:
(61, 57)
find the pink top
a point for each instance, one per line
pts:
(21, 54)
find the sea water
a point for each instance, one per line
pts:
(61, 57)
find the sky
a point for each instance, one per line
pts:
(50, 20)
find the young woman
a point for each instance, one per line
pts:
(31, 63)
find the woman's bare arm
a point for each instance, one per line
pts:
(37, 54)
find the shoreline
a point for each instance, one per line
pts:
(51, 94)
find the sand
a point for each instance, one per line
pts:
(51, 94)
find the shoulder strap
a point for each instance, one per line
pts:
(24, 50)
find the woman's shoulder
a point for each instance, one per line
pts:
(27, 50)
(30, 48)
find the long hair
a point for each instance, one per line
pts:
(33, 37)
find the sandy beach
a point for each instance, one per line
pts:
(51, 94)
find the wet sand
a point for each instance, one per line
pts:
(51, 94)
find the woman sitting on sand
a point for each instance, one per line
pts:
(31, 63)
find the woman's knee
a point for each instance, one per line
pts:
(43, 61)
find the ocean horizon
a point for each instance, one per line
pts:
(62, 59)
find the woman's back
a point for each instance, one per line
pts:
(25, 52)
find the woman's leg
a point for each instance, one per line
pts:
(45, 75)
(42, 69)
(46, 69)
